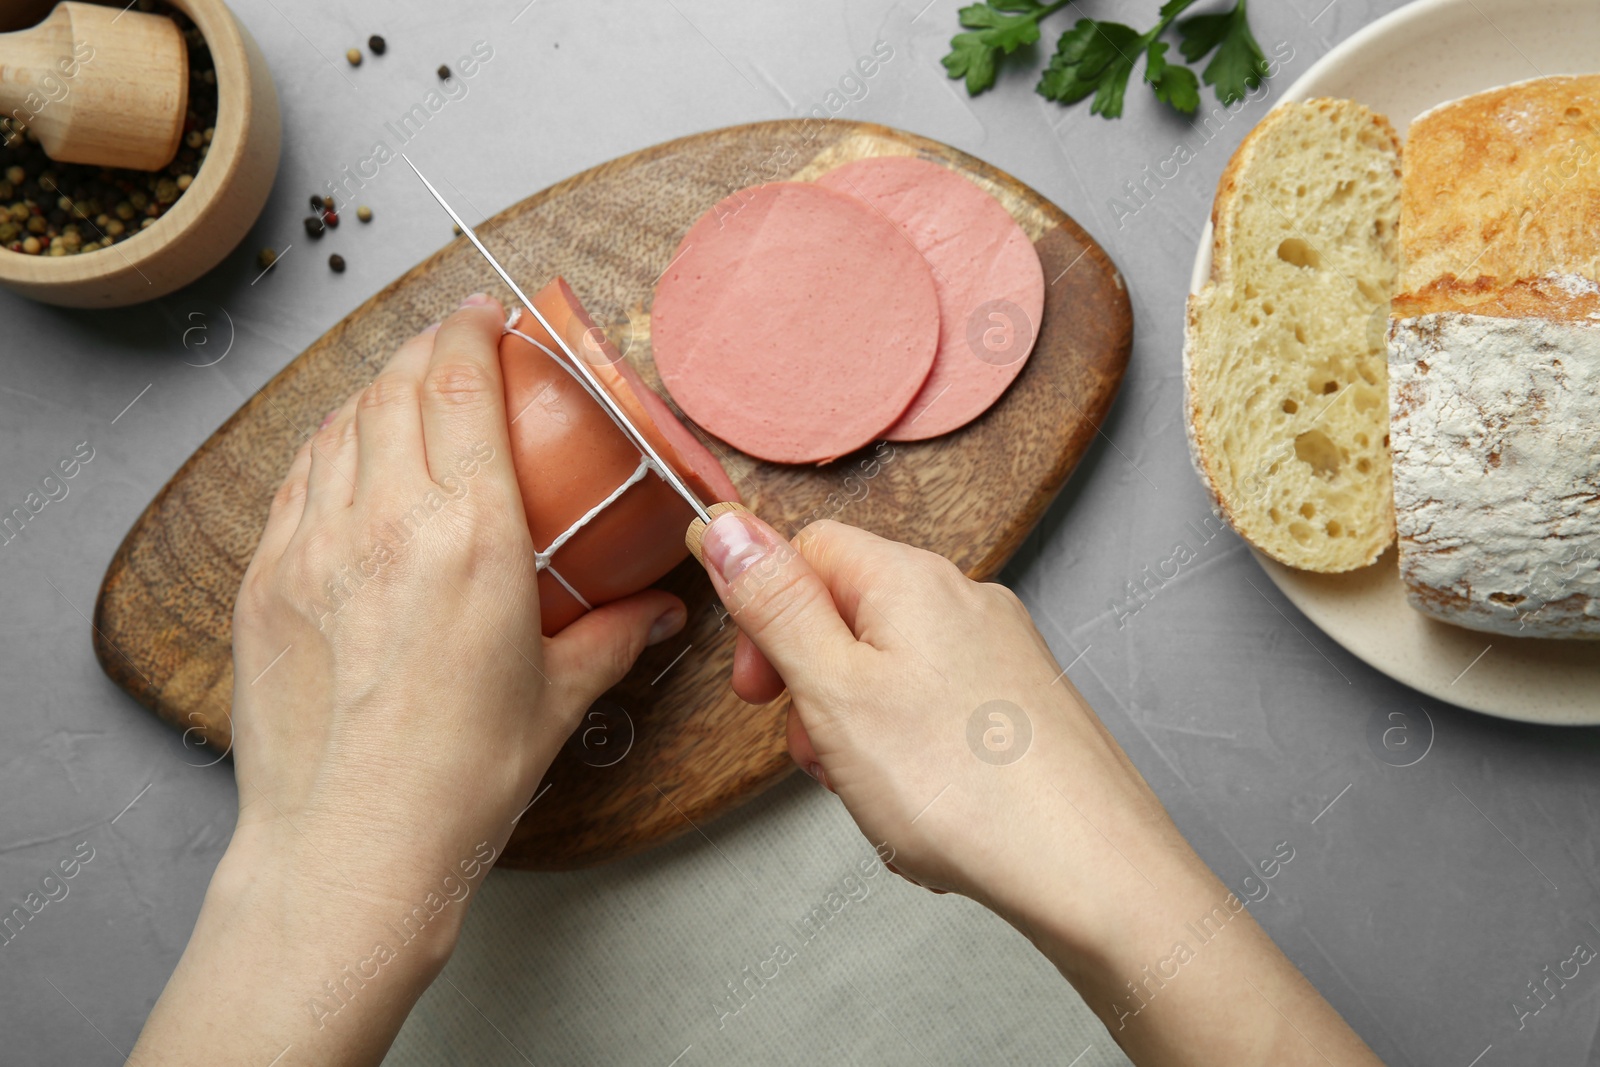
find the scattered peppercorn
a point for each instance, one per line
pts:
(336, 261)
(317, 203)
(377, 44)
(444, 72)
(331, 218)
(314, 226)
(354, 56)
(364, 213)
(266, 258)
(456, 230)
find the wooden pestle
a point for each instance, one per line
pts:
(99, 85)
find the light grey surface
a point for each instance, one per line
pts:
(1422, 899)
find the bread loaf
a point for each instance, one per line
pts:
(1494, 361)
(1286, 395)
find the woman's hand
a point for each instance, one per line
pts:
(394, 709)
(931, 705)
(393, 693)
(928, 702)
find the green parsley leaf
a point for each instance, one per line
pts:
(1064, 79)
(1000, 29)
(1174, 84)
(1092, 57)
(1238, 65)
(1096, 58)
(971, 58)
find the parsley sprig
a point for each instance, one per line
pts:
(1097, 56)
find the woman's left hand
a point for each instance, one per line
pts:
(393, 695)
(394, 708)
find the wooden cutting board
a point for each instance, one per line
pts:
(671, 747)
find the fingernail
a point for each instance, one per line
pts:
(430, 329)
(694, 536)
(732, 545)
(327, 419)
(475, 300)
(670, 622)
(815, 771)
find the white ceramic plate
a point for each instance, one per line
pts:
(1422, 55)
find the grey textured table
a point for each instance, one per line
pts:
(1424, 900)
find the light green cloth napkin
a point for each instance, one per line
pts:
(773, 937)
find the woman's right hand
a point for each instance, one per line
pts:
(935, 710)
(932, 706)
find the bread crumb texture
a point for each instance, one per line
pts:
(1285, 357)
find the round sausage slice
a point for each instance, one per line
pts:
(986, 274)
(795, 322)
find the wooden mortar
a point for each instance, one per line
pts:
(209, 219)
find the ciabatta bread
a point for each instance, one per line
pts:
(1286, 394)
(1494, 361)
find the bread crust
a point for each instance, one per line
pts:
(1494, 364)
(1552, 298)
(1504, 184)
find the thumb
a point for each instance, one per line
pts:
(773, 594)
(596, 651)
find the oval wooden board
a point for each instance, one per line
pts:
(671, 747)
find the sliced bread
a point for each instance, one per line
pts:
(1285, 359)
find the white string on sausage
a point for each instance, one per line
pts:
(542, 559)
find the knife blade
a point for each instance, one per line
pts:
(588, 379)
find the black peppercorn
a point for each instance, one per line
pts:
(314, 227)
(377, 45)
(336, 261)
(444, 71)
